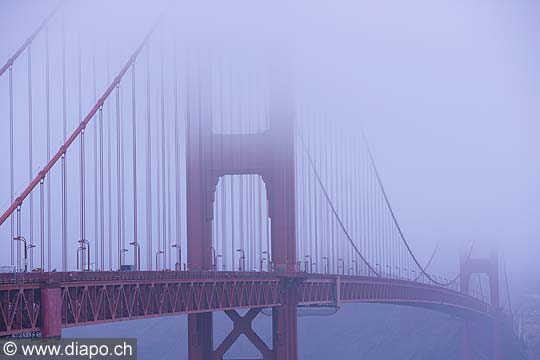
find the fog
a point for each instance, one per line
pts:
(447, 94)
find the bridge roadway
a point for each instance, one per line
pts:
(47, 302)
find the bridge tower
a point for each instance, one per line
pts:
(269, 154)
(490, 267)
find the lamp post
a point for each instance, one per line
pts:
(79, 251)
(355, 266)
(122, 256)
(264, 256)
(389, 268)
(406, 272)
(398, 272)
(178, 256)
(214, 259)
(219, 256)
(325, 259)
(157, 258)
(242, 260)
(378, 266)
(26, 247)
(308, 265)
(342, 266)
(137, 255)
(83, 248)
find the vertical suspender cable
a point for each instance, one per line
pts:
(242, 189)
(118, 179)
(30, 159)
(314, 138)
(122, 185)
(233, 250)
(348, 190)
(98, 222)
(188, 110)
(19, 268)
(42, 224)
(178, 192)
(109, 172)
(344, 247)
(158, 164)
(167, 254)
(101, 196)
(307, 250)
(82, 157)
(259, 191)
(48, 125)
(81, 169)
(164, 215)
(223, 179)
(357, 196)
(96, 190)
(148, 165)
(328, 234)
(134, 141)
(332, 172)
(302, 196)
(64, 164)
(11, 163)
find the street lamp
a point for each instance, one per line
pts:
(222, 262)
(26, 247)
(242, 260)
(83, 248)
(389, 268)
(157, 258)
(122, 256)
(137, 255)
(406, 271)
(214, 258)
(342, 266)
(310, 264)
(178, 256)
(325, 259)
(263, 258)
(355, 266)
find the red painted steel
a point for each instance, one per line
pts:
(51, 310)
(488, 266)
(269, 154)
(242, 325)
(26, 300)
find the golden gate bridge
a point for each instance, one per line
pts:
(191, 190)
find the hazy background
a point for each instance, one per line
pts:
(448, 92)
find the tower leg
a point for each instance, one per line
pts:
(51, 310)
(284, 327)
(200, 336)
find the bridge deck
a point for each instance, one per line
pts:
(98, 297)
